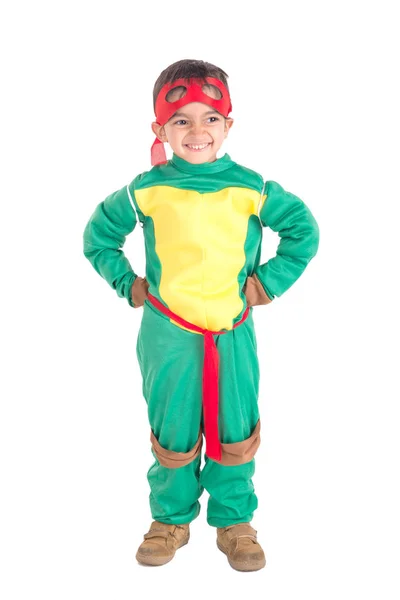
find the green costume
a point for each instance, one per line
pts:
(202, 226)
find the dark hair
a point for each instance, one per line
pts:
(185, 69)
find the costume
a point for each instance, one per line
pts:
(202, 227)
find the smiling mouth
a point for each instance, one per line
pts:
(198, 147)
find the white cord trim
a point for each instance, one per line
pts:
(259, 202)
(133, 206)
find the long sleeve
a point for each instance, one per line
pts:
(287, 215)
(104, 236)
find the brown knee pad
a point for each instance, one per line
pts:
(174, 460)
(239, 453)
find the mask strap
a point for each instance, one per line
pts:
(158, 155)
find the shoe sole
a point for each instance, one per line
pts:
(154, 561)
(240, 565)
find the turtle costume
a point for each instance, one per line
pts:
(196, 345)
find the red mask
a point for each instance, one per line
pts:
(164, 109)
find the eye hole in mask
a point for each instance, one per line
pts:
(180, 91)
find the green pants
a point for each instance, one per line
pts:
(171, 364)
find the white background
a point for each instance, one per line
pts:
(315, 97)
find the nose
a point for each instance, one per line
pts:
(197, 128)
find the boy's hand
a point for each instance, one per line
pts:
(254, 292)
(139, 291)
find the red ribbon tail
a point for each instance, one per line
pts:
(158, 155)
(210, 397)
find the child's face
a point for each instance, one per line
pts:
(194, 123)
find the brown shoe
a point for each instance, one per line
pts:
(239, 543)
(161, 542)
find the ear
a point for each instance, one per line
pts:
(159, 131)
(228, 124)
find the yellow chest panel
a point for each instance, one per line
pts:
(200, 239)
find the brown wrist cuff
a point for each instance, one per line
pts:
(255, 293)
(139, 291)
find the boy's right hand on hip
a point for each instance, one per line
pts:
(139, 291)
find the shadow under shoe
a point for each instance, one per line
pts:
(239, 543)
(161, 542)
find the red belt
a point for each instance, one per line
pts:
(210, 377)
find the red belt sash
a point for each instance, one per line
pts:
(210, 377)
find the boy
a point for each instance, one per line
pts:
(202, 218)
